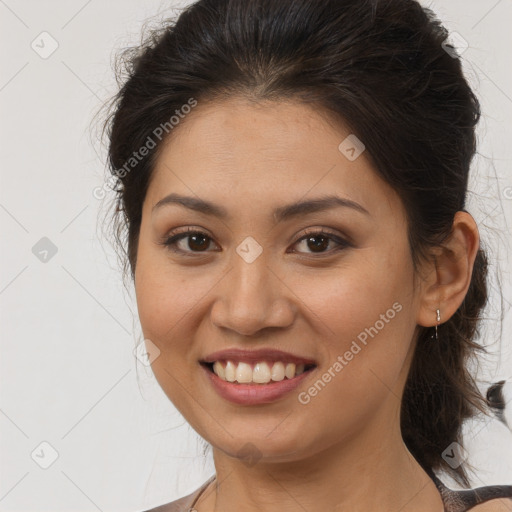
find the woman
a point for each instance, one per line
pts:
(292, 182)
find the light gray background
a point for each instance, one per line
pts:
(68, 328)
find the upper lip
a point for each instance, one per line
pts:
(256, 356)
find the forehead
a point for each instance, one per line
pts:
(259, 152)
(240, 128)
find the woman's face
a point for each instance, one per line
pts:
(260, 277)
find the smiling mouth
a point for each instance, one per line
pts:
(257, 373)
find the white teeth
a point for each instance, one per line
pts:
(277, 371)
(230, 371)
(244, 373)
(290, 370)
(219, 370)
(262, 373)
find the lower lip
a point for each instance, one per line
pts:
(254, 394)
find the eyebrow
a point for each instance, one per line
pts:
(281, 213)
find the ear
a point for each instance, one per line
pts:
(448, 278)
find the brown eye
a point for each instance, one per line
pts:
(318, 242)
(198, 242)
(194, 241)
(190, 241)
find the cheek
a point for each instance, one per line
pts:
(162, 294)
(172, 304)
(364, 311)
(163, 304)
(368, 330)
(161, 297)
(356, 294)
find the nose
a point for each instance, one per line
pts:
(251, 298)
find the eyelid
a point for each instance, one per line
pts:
(341, 237)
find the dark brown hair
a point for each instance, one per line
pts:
(382, 68)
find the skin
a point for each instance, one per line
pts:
(343, 450)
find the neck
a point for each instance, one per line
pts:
(371, 471)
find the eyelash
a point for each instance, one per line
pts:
(173, 238)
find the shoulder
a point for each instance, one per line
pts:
(495, 505)
(183, 504)
(490, 498)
